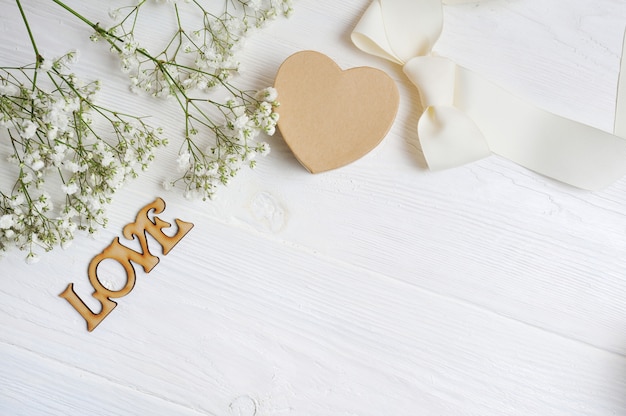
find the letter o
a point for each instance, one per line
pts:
(121, 254)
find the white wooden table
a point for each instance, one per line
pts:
(377, 289)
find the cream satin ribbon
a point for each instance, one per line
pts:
(467, 118)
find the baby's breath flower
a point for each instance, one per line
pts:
(50, 127)
(202, 59)
(70, 189)
(54, 126)
(32, 258)
(115, 14)
(168, 184)
(6, 221)
(45, 65)
(268, 95)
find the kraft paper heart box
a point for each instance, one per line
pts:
(331, 117)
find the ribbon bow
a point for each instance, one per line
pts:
(467, 118)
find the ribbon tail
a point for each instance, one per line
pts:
(554, 146)
(620, 106)
(467, 117)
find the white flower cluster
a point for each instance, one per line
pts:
(51, 134)
(198, 61)
(236, 145)
(209, 51)
(55, 146)
(259, 11)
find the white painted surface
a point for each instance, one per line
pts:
(377, 289)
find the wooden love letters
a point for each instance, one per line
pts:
(126, 256)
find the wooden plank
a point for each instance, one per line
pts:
(380, 288)
(235, 315)
(32, 384)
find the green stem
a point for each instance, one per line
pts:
(75, 13)
(38, 57)
(94, 26)
(30, 34)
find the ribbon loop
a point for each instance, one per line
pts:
(399, 31)
(466, 117)
(370, 35)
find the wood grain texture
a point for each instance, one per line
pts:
(377, 289)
